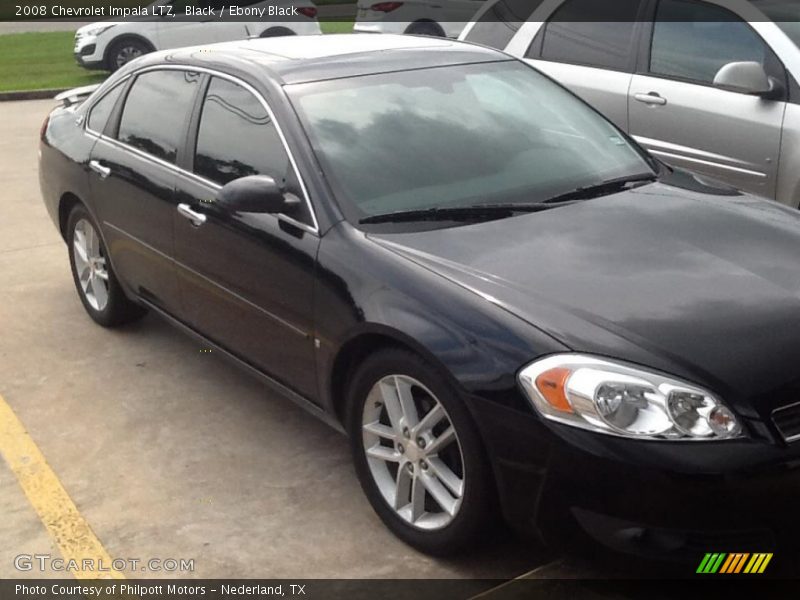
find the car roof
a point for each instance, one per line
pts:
(302, 59)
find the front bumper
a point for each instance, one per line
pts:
(661, 500)
(88, 53)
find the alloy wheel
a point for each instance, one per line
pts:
(413, 452)
(90, 264)
(127, 54)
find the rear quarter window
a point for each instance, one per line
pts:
(99, 113)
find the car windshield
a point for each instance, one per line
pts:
(457, 136)
(785, 13)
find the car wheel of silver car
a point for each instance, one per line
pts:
(97, 285)
(124, 51)
(276, 32)
(417, 454)
(425, 28)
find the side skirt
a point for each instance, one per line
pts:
(276, 386)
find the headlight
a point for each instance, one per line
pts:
(95, 31)
(619, 399)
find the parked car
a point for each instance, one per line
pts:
(445, 254)
(707, 85)
(440, 18)
(111, 44)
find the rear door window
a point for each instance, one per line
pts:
(501, 22)
(156, 112)
(591, 33)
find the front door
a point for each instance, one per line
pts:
(246, 278)
(678, 114)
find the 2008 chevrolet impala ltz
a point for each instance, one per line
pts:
(510, 307)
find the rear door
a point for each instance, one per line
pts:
(132, 181)
(678, 114)
(246, 279)
(590, 47)
(499, 22)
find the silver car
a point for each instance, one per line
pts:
(706, 85)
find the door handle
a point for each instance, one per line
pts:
(98, 168)
(195, 217)
(653, 98)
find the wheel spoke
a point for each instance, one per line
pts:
(403, 490)
(392, 404)
(84, 276)
(383, 453)
(381, 430)
(439, 493)
(417, 499)
(79, 245)
(101, 275)
(406, 398)
(430, 420)
(441, 442)
(100, 292)
(443, 473)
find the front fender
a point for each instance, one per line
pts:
(478, 346)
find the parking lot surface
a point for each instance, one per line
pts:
(169, 452)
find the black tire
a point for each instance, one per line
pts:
(277, 32)
(425, 28)
(118, 309)
(475, 512)
(124, 50)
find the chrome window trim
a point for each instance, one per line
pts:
(304, 226)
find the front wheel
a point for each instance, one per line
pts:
(124, 51)
(417, 454)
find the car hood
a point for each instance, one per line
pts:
(702, 286)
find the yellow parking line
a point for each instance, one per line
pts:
(57, 511)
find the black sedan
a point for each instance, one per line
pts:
(508, 305)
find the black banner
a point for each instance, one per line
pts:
(406, 589)
(512, 12)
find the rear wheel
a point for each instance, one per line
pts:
(277, 32)
(417, 453)
(426, 28)
(97, 286)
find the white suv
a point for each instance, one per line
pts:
(111, 44)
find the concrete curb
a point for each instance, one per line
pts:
(31, 94)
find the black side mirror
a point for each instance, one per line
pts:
(256, 194)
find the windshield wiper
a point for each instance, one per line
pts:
(456, 213)
(604, 188)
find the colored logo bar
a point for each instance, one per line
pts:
(735, 562)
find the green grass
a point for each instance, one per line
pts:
(336, 26)
(40, 61)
